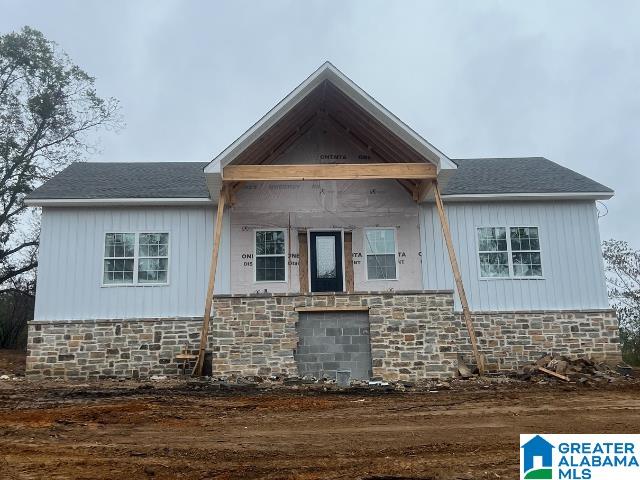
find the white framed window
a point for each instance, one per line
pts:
(493, 252)
(270, 256)
(509, 252)
(525, 251)
(136, 258)
(381, 253)
(119, 258)
(153, 257)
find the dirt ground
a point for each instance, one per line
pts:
(194, 430)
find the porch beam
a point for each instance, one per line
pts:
(466, 313)
(204, 331)
(365, 171)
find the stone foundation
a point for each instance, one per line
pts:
(512, 339)
(413, 335)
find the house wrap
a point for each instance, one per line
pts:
(332, 255)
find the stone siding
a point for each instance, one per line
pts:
(401, 329)
(512, 339)
(413, 335)
(82, 349)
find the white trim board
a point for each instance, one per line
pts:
(480, 197)
(114, 202)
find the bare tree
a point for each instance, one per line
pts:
(623, 278)
(48, 105)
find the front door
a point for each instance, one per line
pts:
(326, 261)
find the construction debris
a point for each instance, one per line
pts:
(554, 374)
(581, 370)
(463, 369)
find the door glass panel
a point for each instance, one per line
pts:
(326, 257)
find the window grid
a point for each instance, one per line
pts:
(133, 269)
(493, 252)
(270, 256)
(525, 248)
(381, 252)
(518, 255)
(119, 259)
(153, 257)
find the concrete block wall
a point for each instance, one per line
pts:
(329, 342)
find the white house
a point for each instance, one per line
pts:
(332, 255)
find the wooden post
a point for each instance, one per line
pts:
(303, 262)
(204, 332)
(348, 261)
(458, 279)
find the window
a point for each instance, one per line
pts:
(525, 248)
(131, 258)
(494, 257)
(270, 256)
(153, 251)
(380, 247)
(119, 257)
(517, 257)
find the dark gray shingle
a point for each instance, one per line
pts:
(186, 179)
(127, 180)
(517, 175)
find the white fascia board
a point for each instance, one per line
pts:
(115, 202)
(328, 72)
(480, 197)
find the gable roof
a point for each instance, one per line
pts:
(379, 119)
(184, 182)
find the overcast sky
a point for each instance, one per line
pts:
(558, 79)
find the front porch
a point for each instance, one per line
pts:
(410, 333)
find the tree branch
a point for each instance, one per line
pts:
(5, 253)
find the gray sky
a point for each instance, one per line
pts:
(475, 78)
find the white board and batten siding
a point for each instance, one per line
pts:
(572, 268)
(71, 261)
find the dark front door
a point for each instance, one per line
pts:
(326, 261)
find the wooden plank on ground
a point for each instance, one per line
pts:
(348, 260)
(204, 331)
(554, 374)
(458, 279)
(240, 173)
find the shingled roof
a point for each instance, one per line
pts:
(93, 180)
(517, 175)
(186, 180)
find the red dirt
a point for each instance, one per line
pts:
(168, 430)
